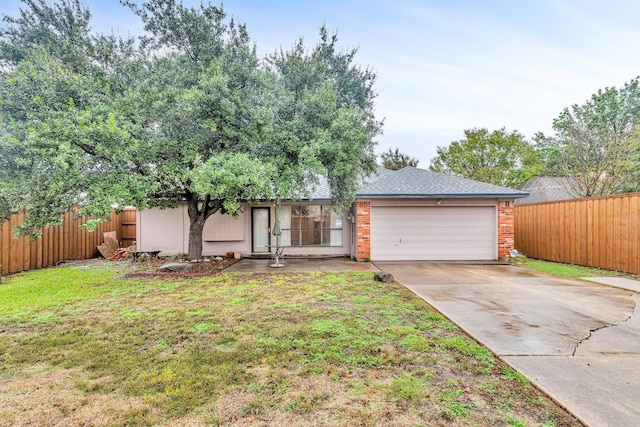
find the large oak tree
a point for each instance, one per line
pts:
(186, 113)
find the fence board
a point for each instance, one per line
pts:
(634, 235)
(600, 232)
(610, 235)
(598, 235)
(128, 222)
(66, 242)
(589, 230)
(623, 256)
(582, 232)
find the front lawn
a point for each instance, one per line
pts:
(84, 345)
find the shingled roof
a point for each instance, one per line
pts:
(411, 182)
(322, 191)
(547, 189)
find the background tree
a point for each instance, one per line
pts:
(395, 160)
(549, 155)
(597, 143)
(497, 157)
(187, 113)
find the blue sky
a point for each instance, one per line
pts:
(447, 66)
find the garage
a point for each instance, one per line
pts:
(433, 233)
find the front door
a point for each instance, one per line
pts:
(260, 230)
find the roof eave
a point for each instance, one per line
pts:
(318, 199)
(448, 196)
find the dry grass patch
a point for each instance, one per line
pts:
(247, 349)
(51, 398)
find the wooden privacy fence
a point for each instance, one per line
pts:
(597, 232)
(67, 242)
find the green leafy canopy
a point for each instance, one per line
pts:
(598, 143)
(186, 113)
(498, 157)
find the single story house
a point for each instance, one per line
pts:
(410, 214)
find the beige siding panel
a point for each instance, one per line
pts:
(164, 230)
(439, 233)
(224, 228)
(243, 246)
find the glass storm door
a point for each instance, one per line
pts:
(260, 229)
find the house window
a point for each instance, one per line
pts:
(310, 225)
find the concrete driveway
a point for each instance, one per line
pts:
(578, 341)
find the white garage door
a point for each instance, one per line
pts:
(433, 233)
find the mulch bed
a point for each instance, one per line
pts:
(148, 268)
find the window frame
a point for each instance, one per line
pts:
(325, 233)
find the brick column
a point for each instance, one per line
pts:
(363, 231)
(506, 240)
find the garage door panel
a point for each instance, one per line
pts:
(421, 232)
(433, 233)
(436, 235)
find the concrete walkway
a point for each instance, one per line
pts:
(293, 265)
(617, 282)
(578, 341)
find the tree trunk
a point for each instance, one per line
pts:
(197, 218)
(195, 238)
(199, 212)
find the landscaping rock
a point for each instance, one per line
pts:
(174, 266)
(218, 258)
(384, 276)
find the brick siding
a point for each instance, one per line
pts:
(363, 231)
(506, 229)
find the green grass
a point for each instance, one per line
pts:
(570, 271)
(453, 402)
(26, 293)
(282, 349)
(408, 388)
(511, 374)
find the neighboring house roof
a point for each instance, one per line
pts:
(546, 189)
(420, 183)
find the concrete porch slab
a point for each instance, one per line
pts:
(296, 265)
